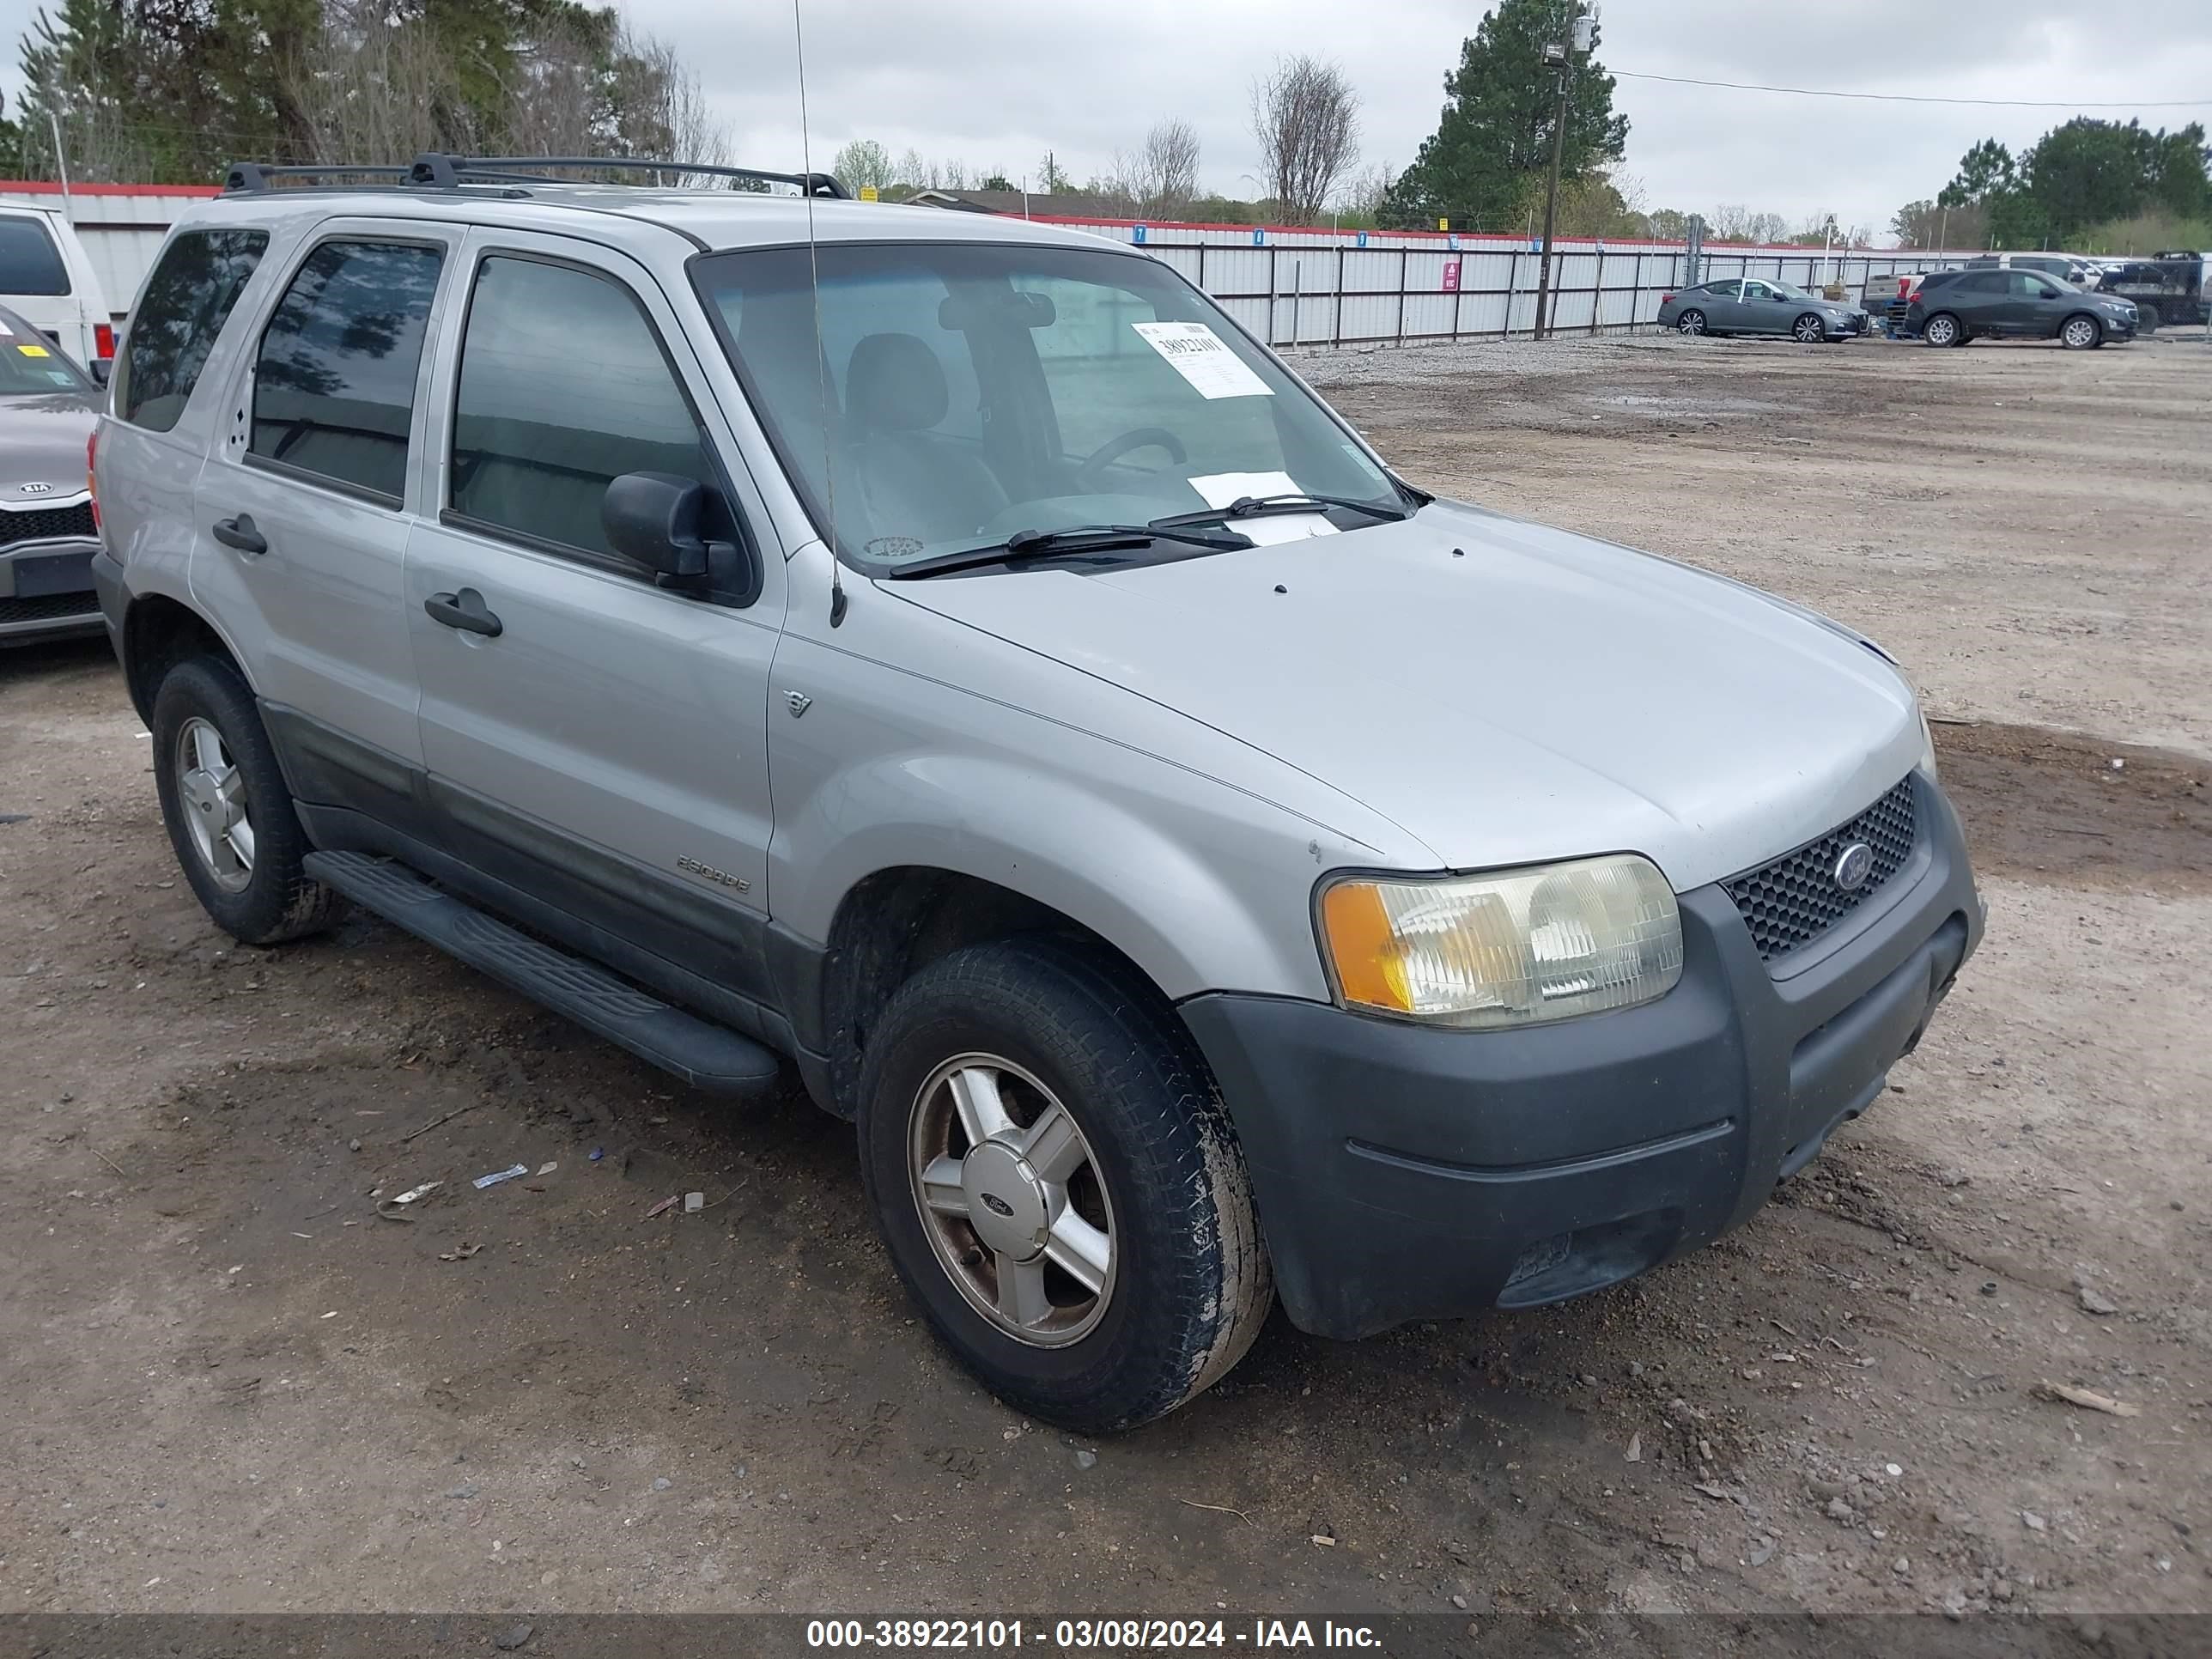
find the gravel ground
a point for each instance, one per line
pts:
(233, 1387)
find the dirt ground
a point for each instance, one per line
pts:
(231, 1386)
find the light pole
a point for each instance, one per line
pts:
(1561, 54)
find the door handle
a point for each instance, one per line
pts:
(465, 611)
(238, 532)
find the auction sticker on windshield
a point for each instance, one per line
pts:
(1203, 358)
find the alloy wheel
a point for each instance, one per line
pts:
(1012, 1199)
(1808, 330)
(2080, 332)
(212, 791)
(1691, 322)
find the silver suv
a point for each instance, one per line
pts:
(950, 656)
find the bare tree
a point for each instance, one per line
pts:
(1166, 170)
(1306, 117)
(1362, 195)
(864, 162)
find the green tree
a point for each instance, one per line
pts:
(2089, 172)
(1985, 171)
(1495, 134)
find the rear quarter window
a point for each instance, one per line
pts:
(187, 300)
(29, 261)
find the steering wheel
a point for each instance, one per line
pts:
(1087, 477)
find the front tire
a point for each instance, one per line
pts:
(1055, 1178)
(2081, 333)
(228, 813)
(1943, 330)
(1809, 329)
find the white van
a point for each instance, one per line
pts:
(47, 279)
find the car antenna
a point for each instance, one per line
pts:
(821, 355)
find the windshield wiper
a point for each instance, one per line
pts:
(1072, 543)
(1254, 506)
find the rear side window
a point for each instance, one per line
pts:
(334, 385)
(29, 261)
(563, 388)
(1723, 290)
(187, 300)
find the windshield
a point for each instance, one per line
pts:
(29, 364)
(1790, 290)
(959, 393)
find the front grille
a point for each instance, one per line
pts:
(48, 523)
(1795, 900)
(50, 607)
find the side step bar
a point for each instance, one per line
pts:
(705, 1055)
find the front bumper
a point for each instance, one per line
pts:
(47, 591)
(1404, 1172)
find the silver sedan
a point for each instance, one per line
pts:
(1759, 304)
(47, 410)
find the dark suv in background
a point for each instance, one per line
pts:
(1951, 307)
(2167, 288)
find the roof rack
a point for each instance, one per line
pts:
(436, 171)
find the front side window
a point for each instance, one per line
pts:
(956, 394)
(29, 261)
(334, 385)
(187, 300)
(563, 388)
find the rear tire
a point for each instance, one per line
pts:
(1690, 322)
(2147, 317)
(1943, 330)
(229, 816)
(1120, 1271)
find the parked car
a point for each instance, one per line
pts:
(947, 655)
(47, 537)
(2167, 290)
(48, 279)
(1759, 304)
(1951, 307)
(2072, 268)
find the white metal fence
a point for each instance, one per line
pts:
(1305, 288)
(1339, 288)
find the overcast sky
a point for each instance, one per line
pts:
(995, 84)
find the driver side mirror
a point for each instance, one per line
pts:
(656, 519)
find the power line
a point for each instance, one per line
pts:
(1916, 98)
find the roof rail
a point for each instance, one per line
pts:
(256, 175)
(444, 171)
(434, 170)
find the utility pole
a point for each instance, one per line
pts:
(1581, 27)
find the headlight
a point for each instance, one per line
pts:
(1518, 948)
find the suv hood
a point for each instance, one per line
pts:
(1504, 692)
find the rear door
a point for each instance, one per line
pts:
(606, 750)
(1979, 298)
(1723, 310)
(302, 508)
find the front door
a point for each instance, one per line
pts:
(1758, 313)
(302, 513)
(592, 738)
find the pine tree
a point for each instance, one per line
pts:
(1494, 142)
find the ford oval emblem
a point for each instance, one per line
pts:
(1853, 866)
